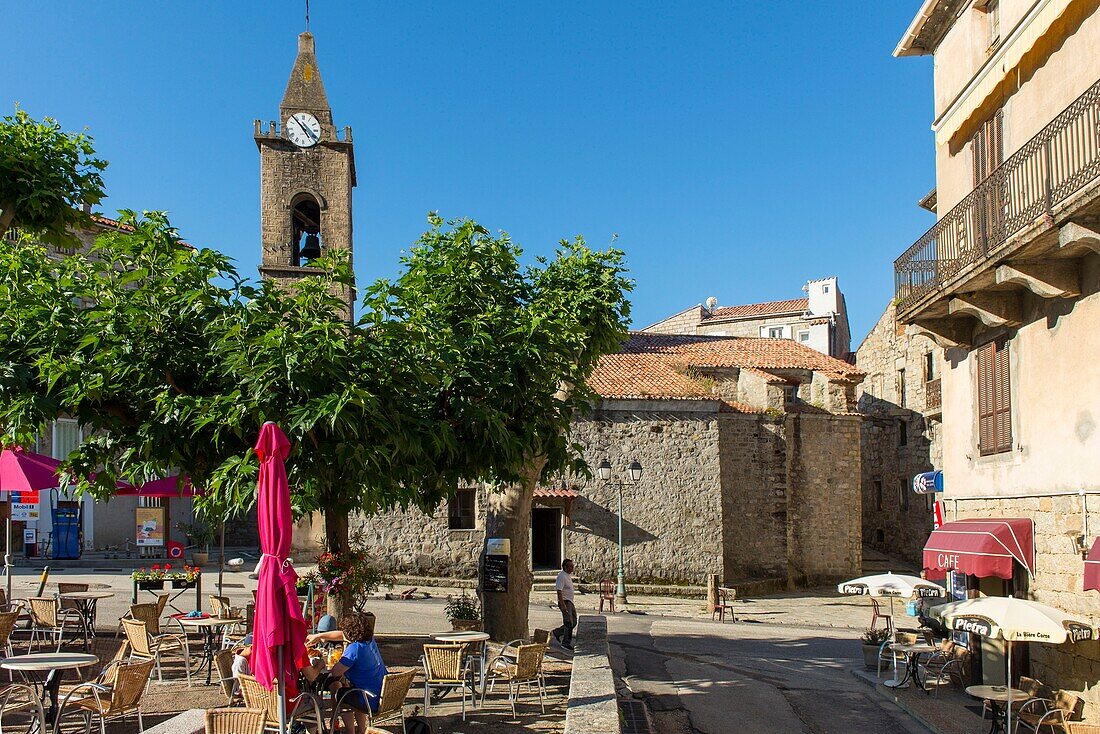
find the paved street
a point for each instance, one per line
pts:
(707, 678)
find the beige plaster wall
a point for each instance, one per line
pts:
(1055, 398)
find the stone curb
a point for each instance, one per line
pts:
(867, 678)
(593, 707)
(192, 721)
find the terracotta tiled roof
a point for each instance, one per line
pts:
(794, 305)
(112, 223)
(569, 493)
(658, 366)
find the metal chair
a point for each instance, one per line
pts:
(19, 699)
(7, 624)
(146, 646)
(223, 660)
(234, 721)
(307, 707)
(1054, 712)
(447, 666)
(607, 594)
(49, 619)
(391, 699)
(525, 670)
(119, 700)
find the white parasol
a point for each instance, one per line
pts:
(1013, 620)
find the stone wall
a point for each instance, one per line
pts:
(681, 323)
(1058, 582)
(900, 436)
(754, 496)
(672, 527)
(823, 516)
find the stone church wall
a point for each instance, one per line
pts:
(672, 527)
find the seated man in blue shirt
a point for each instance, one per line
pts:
(361, 664)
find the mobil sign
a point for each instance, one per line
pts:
(24, 505)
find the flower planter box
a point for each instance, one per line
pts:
(151, 585)
(181, 584)
(466, 625)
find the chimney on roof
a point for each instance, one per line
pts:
(712, 305)
(86, 207)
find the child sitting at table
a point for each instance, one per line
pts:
(361, 664)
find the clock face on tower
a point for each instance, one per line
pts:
(303, 130)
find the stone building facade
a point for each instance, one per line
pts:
(900, 435)
(751, 454)
(1007, 284)
(818, 321)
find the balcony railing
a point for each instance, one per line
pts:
(932, 395)
(1047, 170)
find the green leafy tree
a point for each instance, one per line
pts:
(46, 176)
(467, 367)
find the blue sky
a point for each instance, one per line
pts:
(737, 148)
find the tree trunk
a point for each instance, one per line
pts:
(7, 214)
(509, 516)
(336, 541)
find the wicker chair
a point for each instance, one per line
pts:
(234, 721)
(145, 646)
(1053, 713)
(391, 699)
(307, 707)
(7, 624)
(221, 607)
(49, 619)
(525, 670)
(223, 660)
(22, 701)
(447, 666)
(1077, 727)
(538, 637)
(120, 699)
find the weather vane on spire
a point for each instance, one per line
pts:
(307, 16)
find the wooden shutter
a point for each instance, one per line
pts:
(994, 399)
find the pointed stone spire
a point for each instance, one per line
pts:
(305, 92)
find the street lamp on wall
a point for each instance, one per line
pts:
(604, 471)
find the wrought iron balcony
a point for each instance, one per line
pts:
(1055, 164)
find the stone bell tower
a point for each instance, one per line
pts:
(307, 172)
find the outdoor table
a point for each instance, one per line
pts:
(996, 695)
(54, 665)
(86, 601)
(468, 637)
(912, 652)
(209, 627)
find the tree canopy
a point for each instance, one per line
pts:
(46, 176)
(453, 372)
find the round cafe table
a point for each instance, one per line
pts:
(86, 603)
(912, 653)
(209, 627)
(997, 695)
(54, 665)
(468, 637)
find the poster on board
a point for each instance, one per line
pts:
(150, 526)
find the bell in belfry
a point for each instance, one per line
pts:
(311, 250)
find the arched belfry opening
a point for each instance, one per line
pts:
(305, 230)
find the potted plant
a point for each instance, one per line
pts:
(464, 611)
(301, 586)
(150, 579)
(187, 578)
(872, 640)
(348, 578)
(199, 535)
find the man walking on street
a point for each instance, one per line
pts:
(564, 586)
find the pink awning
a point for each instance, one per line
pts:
(981, 547)
(1092, 567)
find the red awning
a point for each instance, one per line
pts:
(1092, 567)
(981, 547)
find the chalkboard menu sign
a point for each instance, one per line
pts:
(496, 573)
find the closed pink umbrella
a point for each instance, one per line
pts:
(23, 471)
(279, 634)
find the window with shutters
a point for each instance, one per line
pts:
(994, 399)
(987, 149)
(461, 510)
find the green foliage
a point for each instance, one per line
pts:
(46, 175)
(874, 636)
(462, 369)
(462, 606)
(200, 533)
